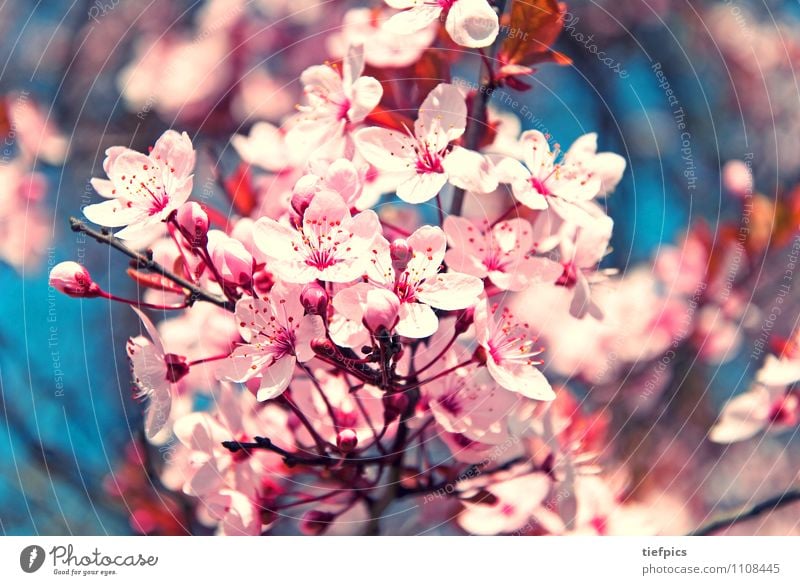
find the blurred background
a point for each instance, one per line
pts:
(677, 87)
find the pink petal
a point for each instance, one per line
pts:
(276, 378)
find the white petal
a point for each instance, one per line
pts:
(366, 94)
(276, 378)
(442, 116)
(421, 187)
(412, 20)
(417, 321)
(742, 417)
(112, 213)
(451, 291)
(523, 379)
(472, 23)
(469, 170)
(387, 150)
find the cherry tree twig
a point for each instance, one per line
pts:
(143, 261)
(766, 506)
(480, 103)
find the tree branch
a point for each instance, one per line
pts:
(195, 293)
(292, 459)
(480, 103)
(765, 506)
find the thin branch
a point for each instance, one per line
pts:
(480, 104)
(292, 459)
(195, 293)
(754, 511)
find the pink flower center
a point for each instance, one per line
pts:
(600, 524)
(428, 161)
(569, 277)
(784, 411)
(450, 403)
(405, 289)
(344, 106)
(321, 259)
(511, 341)
(446, 5)
(507, 510)
(177, 367)
(539, 185)
(494, 261)
(274, 338)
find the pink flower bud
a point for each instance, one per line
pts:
(464, 319)
(323, 347)
(74, 280)
(263, 281)
(737, 178)
(346, 440)
(231, 259)
(177, 367)
(394, 405)
(193, 223)
(301, 200)
(382, 311)
(315, 522)
(314, 299)
(401, 254)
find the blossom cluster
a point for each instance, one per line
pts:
(388, 302)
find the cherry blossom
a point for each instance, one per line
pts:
(470, 23)
(155, 373)
(769, 404)
(518, 503)
(511, 352)
(580, 255)
(143, 190)
(418, 282)
(329, 244)
(213, 468)
(502, 252)
(277, 335)
(546, 182)
(422, 162)
(468, 402)
(353, 182)
(382, 47)
(336, 101)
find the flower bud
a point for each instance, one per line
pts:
(314, 299)
(193, 223)
(323, 347)
(301, 200)
(315, 522)
(382, 310)
(231, 259)
(346, 440)
(263, 281)
(401, 254)
(737, 178)
(394, 405)
(464, 319)
(74, 280)
(177, 367)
